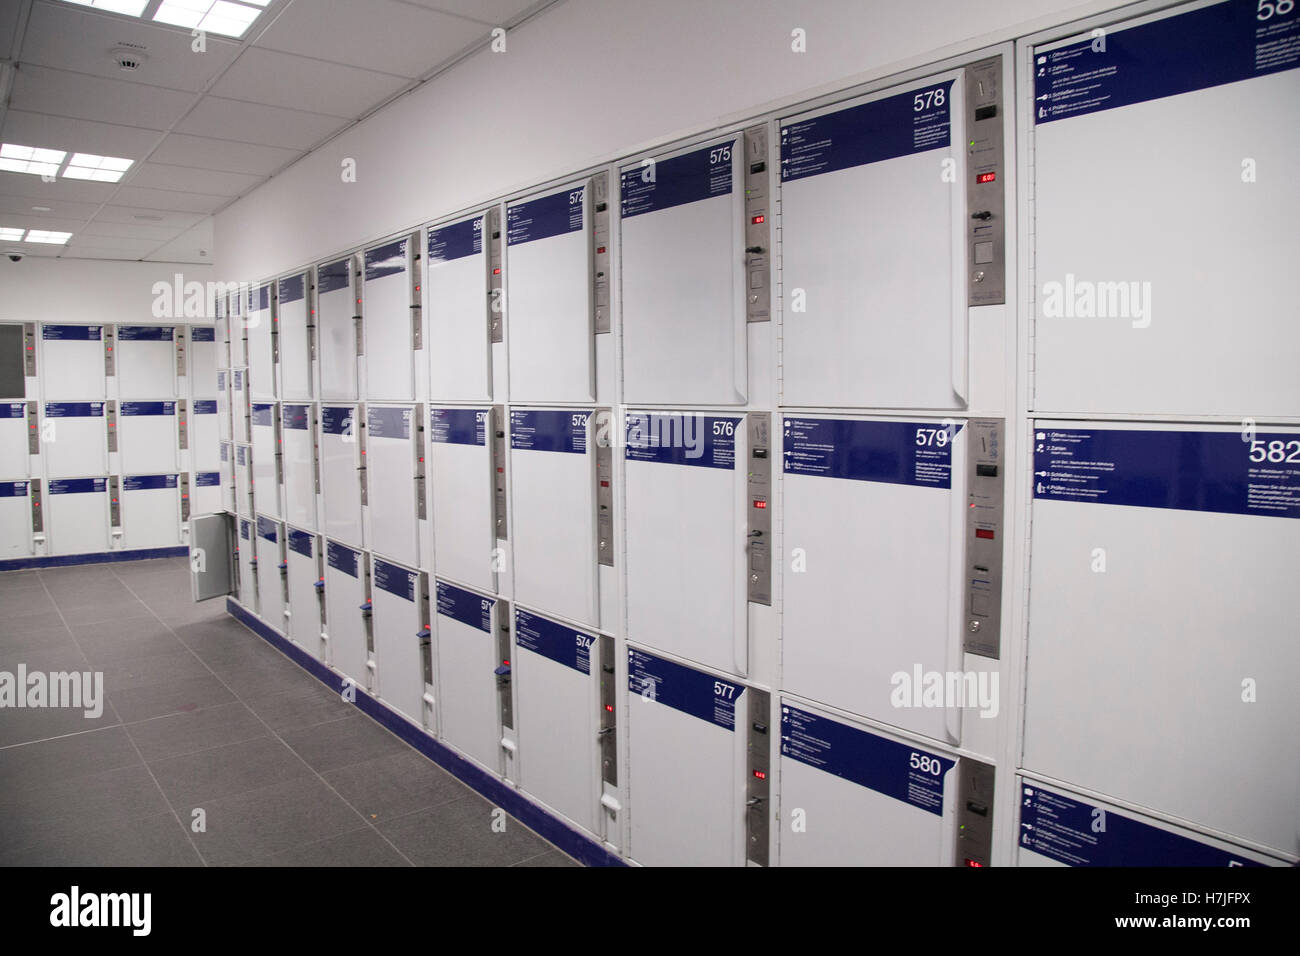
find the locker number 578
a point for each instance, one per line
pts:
(923, 101)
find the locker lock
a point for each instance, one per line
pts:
(503, 670)
(422, 633)
(320, 585)
(983, 215)
(366, 607)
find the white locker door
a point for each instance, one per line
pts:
(460, 303)
(244, 480)
(246, 547)
(224, 385)
(266, 459)
(873, 240)
(341, 470)
(345, 621)
(202, 369)
(399, 607)
(14, 447)
(227, 470)
(392, 317)
(221, 328)
(239, 303)
(1163, 573)
(685, 332)
(464, 532)
(15, 519)
(1137, 144)
(300, 469)
(306, 591)
(295, 325)
(686, 529)
(78, 516)
(550, 293)
(204, 434)
(239, 407)
(73, 361)
(868, 800)
(146, 361)
(338, 305)
(469, 718)
(865, 610)
(1061, 829)
(553, 485)
(260, 323)
(151, 511)
(74, 439)
(206, 496)
(271, 570)
(394, 477)
(686, 762)
(554, 672)
(147, 436)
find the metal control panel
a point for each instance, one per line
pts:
(608, 713)
(420, 504)
(425, 637)
(33, 429)
(759, 509)
(309, 282)
(413, 270)
(496, 292)
(369, 619)
(499, 471)
(358, 318)
(110, 351)
(359, 430)
(505, 700)
(758, 771)
(114, 501)
(182, 425)
(110, 414)
(604, 488)
(984, 528)
(181, 335)
(38, 518)
(986, 187)
(600, 257)
(29, 349)
(974, 845)
(185, 497)
(758, 227)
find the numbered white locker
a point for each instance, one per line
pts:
(239, 404)
(338, 302)
(343, 472)
(74, 361)
(468, 495)
(146, 361)
(1060, 828)
(867, 624)
(463, 289)
(296, 323)
(875, 292)
(147, 436)
(201, 370)
(306, 578)
(558, 305)
(239, 304)
(1132, 314)
(17, 422)
(272, 573)
(227, 470)
(224, 385)
(267, 462)
(151, 511)
(246, 555)
(685, 278)
(1124, 517)
(205, 434)
(260, 323)
(401, 629)
(395, 479)
(300, 465)
(561, 469)
(221, 331)
(688, 729)
(473, 673)
(691, 509)
(16, 519)
(78, 515)
(75, 439)
(206, 491)
(393, 335)
(244, 480)
(347, 612)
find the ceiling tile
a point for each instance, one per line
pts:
(38, 89)
(491, 12)
(167, 199)
(153, 217)
(33, 248)
(77, 135)
(76, 38)
(380, 35)
(124, 230)
(181, 149)
(192, 246)
(59, 208)
(295, 82)
(255, 123)
(40, 192)
(38, 221)
(189, 179)
(139, 247)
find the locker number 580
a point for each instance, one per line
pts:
(925, 763)
(934, 97)
(1267, 8)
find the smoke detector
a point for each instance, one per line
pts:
(129, 57)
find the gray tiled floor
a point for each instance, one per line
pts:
(201, 714)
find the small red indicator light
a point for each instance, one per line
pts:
(984, 533)
(760, 774)
(970, 862)
(760, 503)
(600, 250)
(758, 219)
(986, 178)
(496, 271)
(609, 708)
(603, 484)
(507, 663)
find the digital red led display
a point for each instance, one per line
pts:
(760, 503)
(758, 219)
(986, 177)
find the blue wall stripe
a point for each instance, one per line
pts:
(96, 557)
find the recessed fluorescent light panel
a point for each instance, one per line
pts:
(12, 235)
(223, 17)
(101, 169)
(28, 159)
(44, 235)
(132, 8)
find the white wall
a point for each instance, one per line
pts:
(43, 289)
(586, 81)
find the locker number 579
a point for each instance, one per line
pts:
(932, 436)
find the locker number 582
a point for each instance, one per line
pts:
(1275, 451)
(934, 97)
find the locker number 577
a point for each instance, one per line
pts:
(726, 691)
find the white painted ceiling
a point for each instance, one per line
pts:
(203, 128)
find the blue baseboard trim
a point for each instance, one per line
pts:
(579, 846)
(98, 557)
